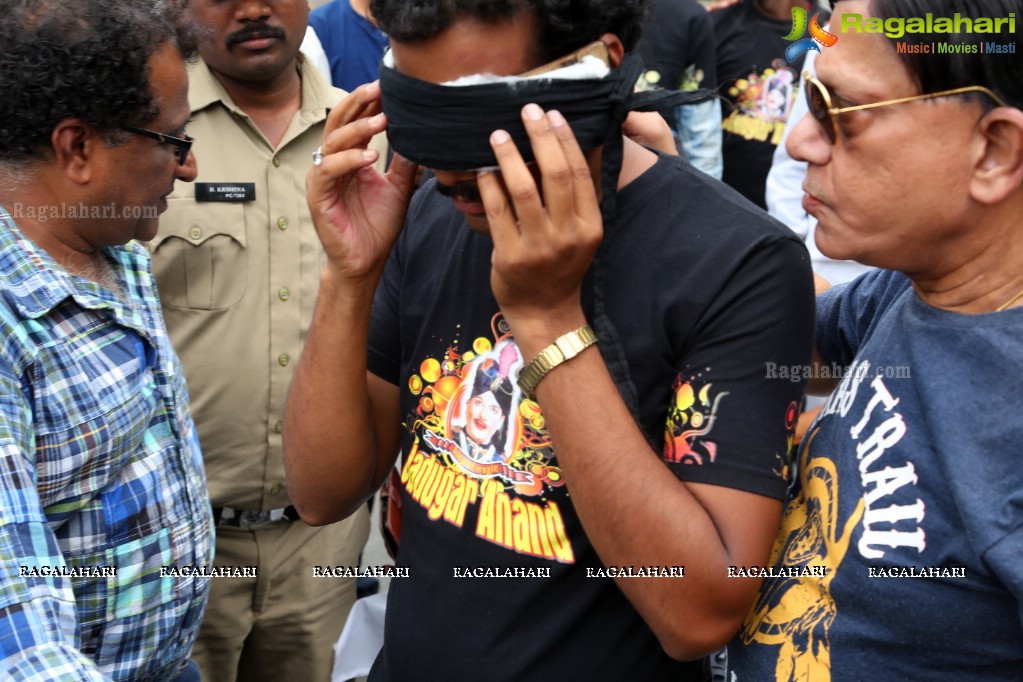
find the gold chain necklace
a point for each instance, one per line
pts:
(1015, 297)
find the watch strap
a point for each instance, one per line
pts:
(565, 347)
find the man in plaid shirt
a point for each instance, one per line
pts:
(104, 520)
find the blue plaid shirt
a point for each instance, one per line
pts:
(101, 477)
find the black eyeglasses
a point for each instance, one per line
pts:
(182, 145)
(818, 99)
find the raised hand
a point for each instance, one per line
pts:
(544, 237)
(358, 212)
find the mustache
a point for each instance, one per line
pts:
(252, 31)
(466, 189)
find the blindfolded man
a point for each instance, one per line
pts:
(639, 301)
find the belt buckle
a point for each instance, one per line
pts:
(248, 519)
(241, 518)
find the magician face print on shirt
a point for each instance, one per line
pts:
(478, 441)
(763, 101)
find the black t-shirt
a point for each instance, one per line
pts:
(703, 291)
(678, 45)
(760, 86)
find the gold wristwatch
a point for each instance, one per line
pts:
(565, 347)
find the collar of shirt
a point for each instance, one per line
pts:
(317, 97)
(37, 284)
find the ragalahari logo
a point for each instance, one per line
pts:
(818, 36)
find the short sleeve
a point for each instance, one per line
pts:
(384, 349)
(737, 393)
(701, 47)
(847, 313)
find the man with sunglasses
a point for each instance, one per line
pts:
(237, 262)
(899, 552)
(624, 302)
(103, 507)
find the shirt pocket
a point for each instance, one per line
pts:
(199, 255)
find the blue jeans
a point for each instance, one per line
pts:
(699, 131)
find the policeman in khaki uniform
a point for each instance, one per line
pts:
(237, 263)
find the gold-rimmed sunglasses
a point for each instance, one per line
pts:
(818, 99)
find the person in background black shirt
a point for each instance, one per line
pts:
(678, 53)
(760, 85)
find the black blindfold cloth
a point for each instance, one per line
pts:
(446, 127)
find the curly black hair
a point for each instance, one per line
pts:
(564, 25)
(84, 59)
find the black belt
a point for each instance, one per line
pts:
(242, 518)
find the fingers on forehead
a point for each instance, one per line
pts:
(363, 101)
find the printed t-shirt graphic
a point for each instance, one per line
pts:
(479, 441)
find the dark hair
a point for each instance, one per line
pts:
(935, 72)
(83, 59)
(563, 25)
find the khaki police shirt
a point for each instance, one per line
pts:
(238, 280)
